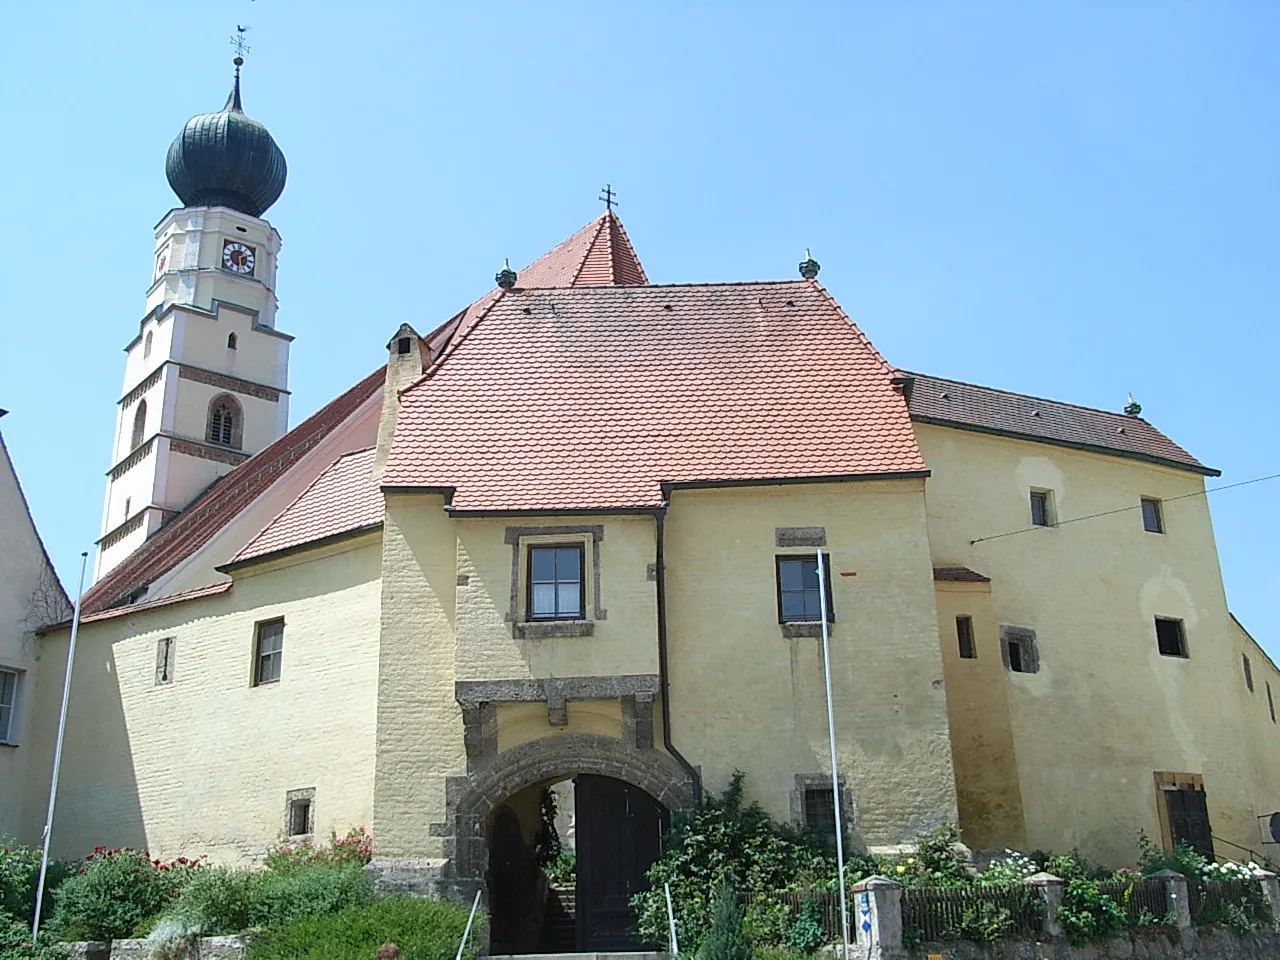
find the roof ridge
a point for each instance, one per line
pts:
(661, 286)
(622, 251)
(456, 341)
(1031, 396)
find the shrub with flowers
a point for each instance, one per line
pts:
(356, 847)
(19, 871)
(117, 893)
(1013, 867)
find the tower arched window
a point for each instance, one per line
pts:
(231, 341)
(139, 424)
(226, 422)
(146, 346)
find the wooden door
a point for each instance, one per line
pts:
(1189, 819)
(619, 832)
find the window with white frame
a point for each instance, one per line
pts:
(8, 705)
(268, 651)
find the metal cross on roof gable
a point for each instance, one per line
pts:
(608, 196)
(237, 41)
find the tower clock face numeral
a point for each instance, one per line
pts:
(238, 258)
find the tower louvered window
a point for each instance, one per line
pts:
(224, 423)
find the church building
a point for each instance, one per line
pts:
(575, 532)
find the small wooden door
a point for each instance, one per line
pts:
(619, 831)
(1189, 819)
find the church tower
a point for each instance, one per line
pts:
(206, 378)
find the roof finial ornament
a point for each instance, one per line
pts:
(1133, 407)
(609, 198)
(809, 267)
(506, 277)
(237, 41)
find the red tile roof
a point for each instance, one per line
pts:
(593, 397)
(987, 410)
(222, 502)
(341, 500)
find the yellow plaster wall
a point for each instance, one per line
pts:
(523, 722)
(1263, 739)
(202, 765)
(1106, 710)
(745, 697)
(988, 793)
(624, 642)
(419, 736)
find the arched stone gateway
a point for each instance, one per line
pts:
(472, 799)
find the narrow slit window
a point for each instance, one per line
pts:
(1040, 510)
(139, 425)
(557, 583)
(1171, 637)
(8, 704)
(1248, 671)
(231, 341)
(1271, 704)
(964, 637)
(268, 652)
(1152, 515)
(164, 661)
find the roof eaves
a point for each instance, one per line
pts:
(1192, 467)
(236, 565)
(670, 485)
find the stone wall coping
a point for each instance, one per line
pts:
(1261, 874)
(1043, 879)
(875, 883)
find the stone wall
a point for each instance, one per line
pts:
(208, 948)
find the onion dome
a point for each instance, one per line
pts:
(226, 159)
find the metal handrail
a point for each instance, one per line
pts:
(671, 922)
(467, 932)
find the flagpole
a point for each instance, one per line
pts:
(57, 750)
(835, 767)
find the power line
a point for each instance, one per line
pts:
(1137, 506)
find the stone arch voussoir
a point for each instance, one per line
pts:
(474, 798)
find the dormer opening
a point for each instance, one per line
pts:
(231, 341)
(404, 345)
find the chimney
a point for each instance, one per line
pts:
(407, 359)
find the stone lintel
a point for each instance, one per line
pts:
(473, 693)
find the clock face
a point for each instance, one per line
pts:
(162, 261)
(238, 258)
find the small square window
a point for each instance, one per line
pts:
(268, 652)
(964, 636)
(1041, 508)
(8, 704)
(1248, 671)
(1271, 704)
(1018, 649)
(820, 811)
(799, 599)
(164, 660)
(557, 583)
(1152, 515)
(300, 812)
(1171, 638)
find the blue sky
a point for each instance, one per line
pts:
(1074, 200)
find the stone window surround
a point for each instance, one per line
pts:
(808, 781)
(1026, 637)
(292, 797)
(520, 539)
(166, 649)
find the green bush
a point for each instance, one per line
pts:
(1182, 859)
(281, 898)
(423, 929)
(117, 893)
(720, 839)
(15, 942)
(1087, 913)
(726, 939)
(216, 901)
(219, 900)
(19, 871)
(806, 934)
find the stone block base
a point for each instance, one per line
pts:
(432, 879)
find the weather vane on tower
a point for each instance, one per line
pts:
(237, 41)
